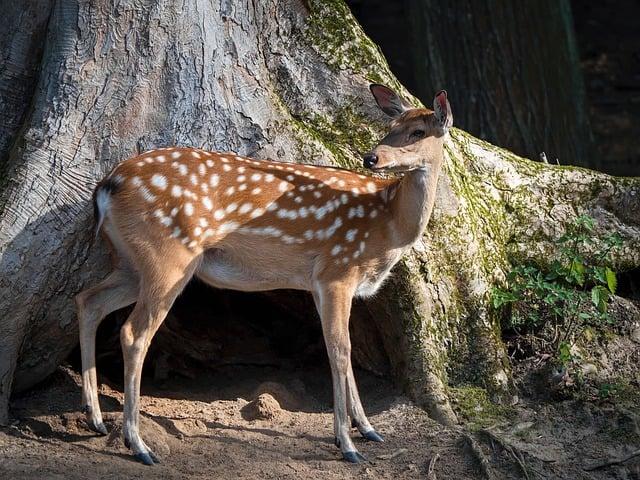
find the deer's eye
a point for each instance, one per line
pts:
(417, 134)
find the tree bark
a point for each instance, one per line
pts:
(279, 79)
(516, 71)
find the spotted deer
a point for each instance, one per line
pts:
(245, 224)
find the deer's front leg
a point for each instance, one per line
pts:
(334, 305)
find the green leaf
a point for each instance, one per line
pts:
(612, 281)
(600, 297)
(576, 271)
(564, 353)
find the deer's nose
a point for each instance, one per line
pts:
(370, 159)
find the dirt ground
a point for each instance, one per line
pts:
(200, 429)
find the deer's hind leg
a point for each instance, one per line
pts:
(117, 290)
(160, 284)
(356, 411)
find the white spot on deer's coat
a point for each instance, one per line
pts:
(257, 212)
(229, 191)
(350, 236)
(188, 209)
(242, 187)
(241, 178)
(227, 227)
(174, 211)
(256, 191)
(136, 181)
(176, 191)
(231, 207)
(241, 170)
(214, 180)
(192, 244)
(159, 181)
(273, 206)
(203, 222)
(194, 179)
(166, 221)
(209, 163)
(317, 194)
(202, 170)
(283, 186)
(245, 208)
(336, 250)
(256, 177)
(147, 195)
(195, 154)
(182, 168)
(207, 203)
(226, 167)
(176, 232)
(371, 187)
(176, 154)
(373, 213)
(161, 158)
(219, 214)
(197, 231)
(269, 178)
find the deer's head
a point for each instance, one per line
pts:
(416, 137)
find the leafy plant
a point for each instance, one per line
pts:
(572, 292)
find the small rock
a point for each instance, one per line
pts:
(265, 407)
(589, 369)
(635, 335)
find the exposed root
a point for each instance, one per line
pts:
(615, 461)
(480, 457)
(513, 451)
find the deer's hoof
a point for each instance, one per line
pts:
(354, 457)
(97, 427)
(372, 436)
(146, 458)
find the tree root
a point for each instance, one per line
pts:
(480, 457)
(609, 463)
(513, 451)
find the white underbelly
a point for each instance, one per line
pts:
(223, 269)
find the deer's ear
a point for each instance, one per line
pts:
(388, 101)
(442, 110)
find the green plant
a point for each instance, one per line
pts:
(572, 292)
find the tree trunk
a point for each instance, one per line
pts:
(514, 67)
(279, 79)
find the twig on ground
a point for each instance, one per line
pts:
(614, 461)
(431, 472)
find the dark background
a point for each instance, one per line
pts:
(557, 76)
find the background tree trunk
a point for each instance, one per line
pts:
(513, 65)
(276, 79)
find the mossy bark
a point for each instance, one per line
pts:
(285, 80)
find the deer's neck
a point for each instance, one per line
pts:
(413, 203)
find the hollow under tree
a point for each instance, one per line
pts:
(98, 83)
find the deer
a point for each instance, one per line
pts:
(234, 222)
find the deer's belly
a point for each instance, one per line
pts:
(224, 269)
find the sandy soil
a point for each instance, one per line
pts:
(200, 429)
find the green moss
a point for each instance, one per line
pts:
(473, 405)
(335, 34)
